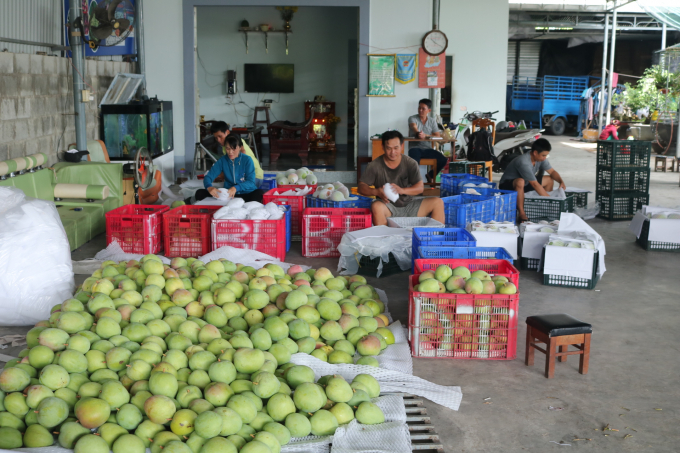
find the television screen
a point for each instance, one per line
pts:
(268, 78)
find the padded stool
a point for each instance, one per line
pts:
(663, 160)
(558, 330)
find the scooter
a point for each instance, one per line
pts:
(516, 145)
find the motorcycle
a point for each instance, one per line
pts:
(514, 145)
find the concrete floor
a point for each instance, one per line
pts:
(634, 378)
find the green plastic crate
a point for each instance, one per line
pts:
(580, 199)
(655, 246)
(472, 168)
(572, 282)
(549, 209)
(620, 205)
(622, 180)
(623, 153)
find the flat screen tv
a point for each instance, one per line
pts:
(269, 78)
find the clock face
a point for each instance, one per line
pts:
(435, 42)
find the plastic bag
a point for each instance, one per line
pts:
(35, 259)
(589, 212)
(352, 250)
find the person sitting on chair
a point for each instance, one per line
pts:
(220, 131)
(424, 126)
(403, 173)
(525, 173)
(238, 171)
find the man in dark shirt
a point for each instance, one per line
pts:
(403, 173)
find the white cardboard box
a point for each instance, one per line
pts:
(492, 239)
(660, 230)
(532, 244)
(568, 261)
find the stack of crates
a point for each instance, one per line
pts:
(440, 238)
(622, 177)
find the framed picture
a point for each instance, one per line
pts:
(381, 74)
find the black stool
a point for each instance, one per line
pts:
(558, 330)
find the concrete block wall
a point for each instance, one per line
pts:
(36, 102)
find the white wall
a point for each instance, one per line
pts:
(397, 26)
(478, 34)
(478, 37)
(164, 69)
(318, 47)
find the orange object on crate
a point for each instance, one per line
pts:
(297, 204)
(494, 267)
(136, 228)
(355, 191)
(462, 326)
(186, 231)
(323, 228)
(266, 236)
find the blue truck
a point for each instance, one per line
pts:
(553, 102)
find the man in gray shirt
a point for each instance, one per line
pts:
(403, 174)
(424, 126)
(525, 173)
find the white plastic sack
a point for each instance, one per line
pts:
(35, 259)
(374, 245)
(390, 193)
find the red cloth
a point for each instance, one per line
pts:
(609, 130)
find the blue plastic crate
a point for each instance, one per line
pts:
(466, 253)
(288, 215)
(506, 204)
(450, 181)
(440, 237)
(460, 210)
(268, 183)
(361, 202)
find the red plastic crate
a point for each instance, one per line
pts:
(493, 267)
(462, 326)
(296, 186)
(266, 236)
(323, 228)
(297, 204)
(186, 231)
(137, 228)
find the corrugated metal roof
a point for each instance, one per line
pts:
(31, 20)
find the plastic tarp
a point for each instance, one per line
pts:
(35, 259)
(666, 11)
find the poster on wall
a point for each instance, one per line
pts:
(431, 70)
(96, 11)
(381, 73)
(406, 67)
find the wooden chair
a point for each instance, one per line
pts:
(431, 163)
(483, 123)
(289, 138)
(559, 330)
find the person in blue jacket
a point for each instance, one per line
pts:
(238, 170)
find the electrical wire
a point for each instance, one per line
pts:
(81, 76)
(206, 72)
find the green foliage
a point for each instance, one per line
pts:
(646, 93)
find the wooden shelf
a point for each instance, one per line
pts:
(266, 36)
